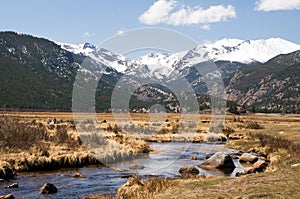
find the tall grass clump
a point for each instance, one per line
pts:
(140, 188)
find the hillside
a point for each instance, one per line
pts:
(38, 74)
(270, 87)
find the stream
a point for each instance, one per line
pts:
(166, 161)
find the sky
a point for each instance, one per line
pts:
(94, 21)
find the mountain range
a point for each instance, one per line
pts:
(39, 74)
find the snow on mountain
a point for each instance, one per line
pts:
(106, 57)
(248, 51)
(161, 65)
(233, 50)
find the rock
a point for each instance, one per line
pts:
(136, 166)
(78, 175)
(188, 171)
(248, 170)
(194, 157)
(12, 186)
(8, 196)
(219, 160)
(260, 166)
(247, 157)
(118, 170)
(64, 175)
(48, 188)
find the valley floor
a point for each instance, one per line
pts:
(276, 136)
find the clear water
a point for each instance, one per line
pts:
(165, 162)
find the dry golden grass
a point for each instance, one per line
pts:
(140, 188)
(28, 143)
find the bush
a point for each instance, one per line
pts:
(253, 125)
(17, 135)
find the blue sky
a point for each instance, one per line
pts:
(78, 21)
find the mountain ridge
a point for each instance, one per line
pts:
(49, 71)
(233, 50)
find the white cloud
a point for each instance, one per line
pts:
(205, 27)
(158, 12)
(169, 12)
(88, 34)
(272, 5)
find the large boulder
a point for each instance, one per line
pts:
(188, 171)
(48, 188)
(247, 157)
(219, 160)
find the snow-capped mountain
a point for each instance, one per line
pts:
(247, 51)
(162, 65)
(232, 50)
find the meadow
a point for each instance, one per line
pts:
(29, 143)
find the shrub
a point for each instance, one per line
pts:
(253, 125)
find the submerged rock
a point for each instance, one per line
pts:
(219, 160)
(48, 188)
(194, 157)
(12, 186)
(78, 175)
(136, 166)
(118, 169)
(188, 171)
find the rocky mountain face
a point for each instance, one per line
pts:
(270, 87)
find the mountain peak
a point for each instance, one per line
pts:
(248, 51)
(89, 45)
